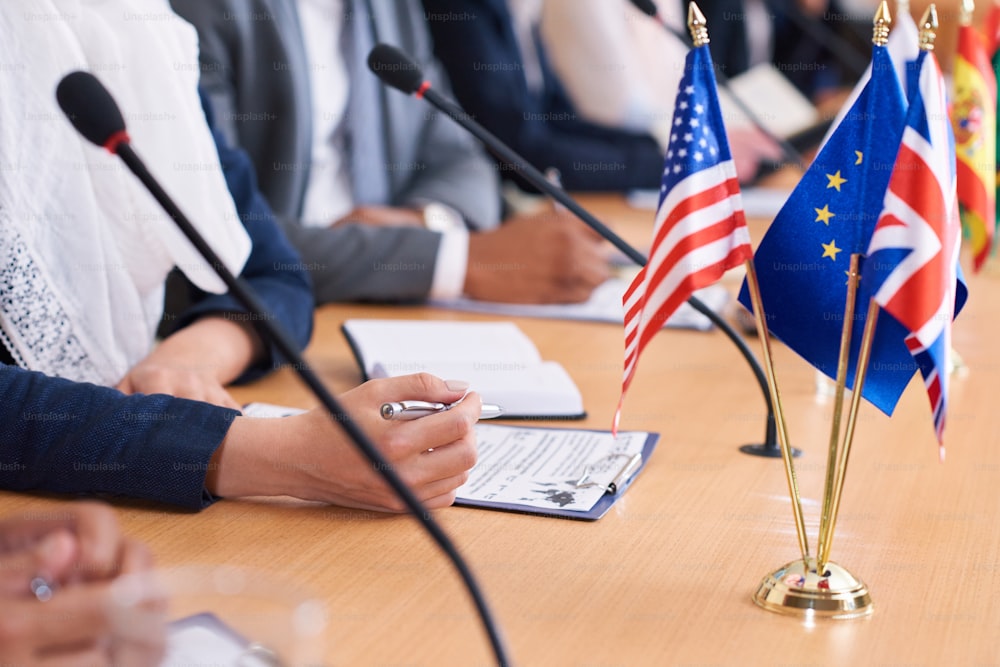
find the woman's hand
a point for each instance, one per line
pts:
(310, 457)
(197, 362)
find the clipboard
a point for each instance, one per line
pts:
(599, 509)
(625, 471)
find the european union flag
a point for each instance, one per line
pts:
(803, 260)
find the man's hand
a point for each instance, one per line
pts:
(85, 535)
(80, 550)
(750, 147)
(548, 257)
(309, 457)
(385, 216)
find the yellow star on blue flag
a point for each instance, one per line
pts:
(824, 214)
(835, 180)
(801, 264)
(830, 250)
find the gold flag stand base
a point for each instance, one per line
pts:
(797, 589)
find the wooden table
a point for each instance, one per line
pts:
(666, 577)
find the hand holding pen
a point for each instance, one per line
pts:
(433, 455)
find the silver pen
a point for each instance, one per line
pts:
(404, 410)
(630, 467)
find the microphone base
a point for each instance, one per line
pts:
(768, 451)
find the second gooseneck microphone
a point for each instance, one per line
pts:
(398, 70)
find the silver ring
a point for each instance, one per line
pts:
(42, 589)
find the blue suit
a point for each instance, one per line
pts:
(480, 52)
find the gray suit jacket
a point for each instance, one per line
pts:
(255, 70)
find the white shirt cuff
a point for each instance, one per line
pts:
(450, 264)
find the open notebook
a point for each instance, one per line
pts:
(496, 358)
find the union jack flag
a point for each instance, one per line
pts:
(913, 253)
(700, 228)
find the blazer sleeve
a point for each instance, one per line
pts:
(481, 56)
(274, 270)
(345, 263)
(68, 437)
(367, 263)
(452, 167)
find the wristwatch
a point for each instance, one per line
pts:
(440, 217)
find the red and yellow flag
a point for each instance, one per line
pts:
(991, 29)
(974, 118)
(991, 32)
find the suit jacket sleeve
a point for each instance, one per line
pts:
(346, 263)
(452, 167)
(481, 55)
(68, 437)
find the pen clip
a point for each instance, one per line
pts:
(397, 408)
(626, 471)
(410, 406)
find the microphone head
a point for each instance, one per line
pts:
(90, 107)
(395, 68)
(647, 7)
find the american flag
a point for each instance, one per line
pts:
(913, 254)
(700, 228)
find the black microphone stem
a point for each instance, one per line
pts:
(502, 151)
(275, 332)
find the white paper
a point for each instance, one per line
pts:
(541, 467)
(604, 305)
(776, 103)
(757, 202)
(269, 411)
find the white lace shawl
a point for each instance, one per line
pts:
(84, 249)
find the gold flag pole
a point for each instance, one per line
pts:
(868, 337)
(818, 587)
(699, 37)
(843, 359)
(928, 32)
(779, 416)
(880, 37)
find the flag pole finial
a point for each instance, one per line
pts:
(881, 23)
(965, 15)
(928, 28)
(697, 25)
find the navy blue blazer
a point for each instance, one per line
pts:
(70, 437)
(475, 41)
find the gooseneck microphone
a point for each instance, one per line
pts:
(398, 70)
(94, 113)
